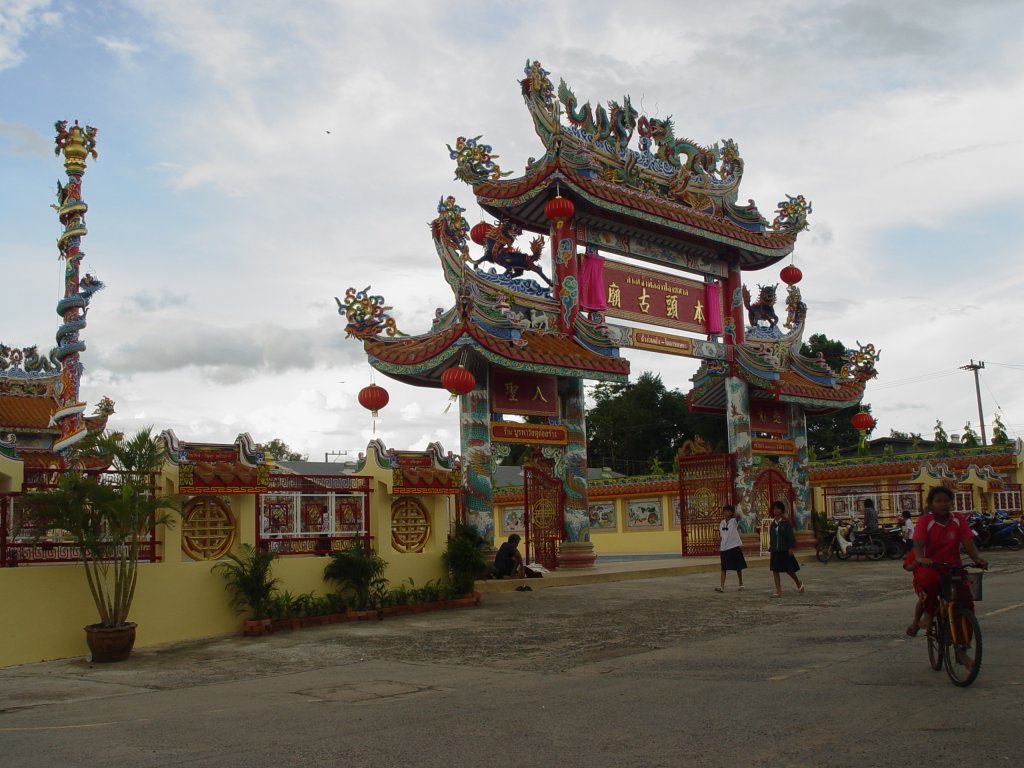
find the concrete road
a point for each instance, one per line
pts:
(662, 672)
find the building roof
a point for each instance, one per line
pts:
(25, 412)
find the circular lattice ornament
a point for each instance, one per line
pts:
(410, 525)
(207, 528)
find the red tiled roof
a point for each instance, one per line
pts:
(25, 412)
(795, 385)
(620, 194)
(539, 348)
(905, 468)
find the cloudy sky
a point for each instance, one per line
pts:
(257, 158)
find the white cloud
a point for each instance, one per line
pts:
(18, 19)
(124, 50)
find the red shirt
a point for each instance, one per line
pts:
(942, 541)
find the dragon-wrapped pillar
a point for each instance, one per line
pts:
(734, 323)
(76, 144)
(478, 471)
(797, 468)
(741, 450)
(576, 549)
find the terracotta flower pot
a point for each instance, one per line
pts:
(110, 643)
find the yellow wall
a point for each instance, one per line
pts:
(45, 607)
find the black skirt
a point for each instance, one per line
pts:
(732, 559)
(783, 562)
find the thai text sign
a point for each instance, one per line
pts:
(525, 394)
(662, 342)
(771, 446)
(533, 434)
(645, 296)
(769, 417)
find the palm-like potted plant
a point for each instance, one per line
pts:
(463, 560)
(109, 518)
(252, 587)
(359, 570)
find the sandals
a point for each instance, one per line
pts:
(719, 589)
(913, 629)
(740, 588)
(800, 589)
(776, 594)
(524, 588)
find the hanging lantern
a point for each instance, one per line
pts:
(559, 210)
(862, 421)
(459, 381)
(478, 234)
(373, 398)
(791, 275)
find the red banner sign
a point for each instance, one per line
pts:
(524, 394)
(769, 416)
(533, 434)
(645, 296)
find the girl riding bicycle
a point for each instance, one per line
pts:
(938, 536)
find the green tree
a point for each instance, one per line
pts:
(970, 438)
(824, 433)
(941, 438)
(999, 436)
(279, 450)
(633, 425)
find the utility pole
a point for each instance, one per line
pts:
(977, 366)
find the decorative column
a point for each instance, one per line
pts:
(798, 469)
(76, 144)
(560, 211)
(478, 463)
(737, 397)
(734, 305)
(576, 549)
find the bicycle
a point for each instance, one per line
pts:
(954, 638)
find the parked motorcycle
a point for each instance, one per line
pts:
(844, 544)
(895, 544)
(999, 529)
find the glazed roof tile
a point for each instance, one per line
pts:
(532, 347)
(904, 468)
(795, 385)
(26, 412)
(619, 194)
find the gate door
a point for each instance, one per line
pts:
(542, 516)
(705, 485)
(770, 486)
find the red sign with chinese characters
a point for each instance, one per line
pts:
(769, 416)
(523, 394)
(646, 296)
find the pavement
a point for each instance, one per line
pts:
(639, 672)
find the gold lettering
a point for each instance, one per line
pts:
(538, 395)
(614, 295)
(672, 305)
(698, 313)
(644, 301)
(510, 391)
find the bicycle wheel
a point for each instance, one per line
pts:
(962, 650)
(843, 554)
(934, 637)
(894, 550)
(825, 550)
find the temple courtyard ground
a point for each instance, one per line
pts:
(652, 672)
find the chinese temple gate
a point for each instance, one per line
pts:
(652, 236)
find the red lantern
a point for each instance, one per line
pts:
(373, 398)
(478, 234)
(791, 275)
(862, 421)
(559, 210)
(458, 381)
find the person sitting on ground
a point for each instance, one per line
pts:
(938, 536)
(508, 563)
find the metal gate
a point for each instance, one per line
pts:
(770, 486)
(543, 514)
(705, 485)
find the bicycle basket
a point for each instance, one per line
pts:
(974, 580)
